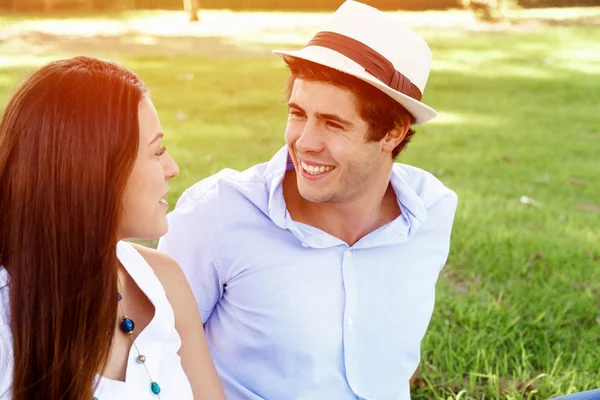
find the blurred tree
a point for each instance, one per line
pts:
(191, 6)
(489, 10)
(484, 10)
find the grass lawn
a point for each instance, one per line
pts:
(517, 314)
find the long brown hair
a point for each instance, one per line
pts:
(68, 140)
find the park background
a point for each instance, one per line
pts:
(517, 86)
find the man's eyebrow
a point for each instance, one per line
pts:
(327, 116)
(294, 105)
(336, 118)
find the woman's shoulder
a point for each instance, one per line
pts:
(166, 270)
(159, 261)
(163, 265)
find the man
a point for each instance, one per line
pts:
(315, 272)
(588, 395)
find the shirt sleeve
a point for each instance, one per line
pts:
(6, 341)
(444, 213)
(188, 240)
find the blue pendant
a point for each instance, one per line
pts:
(155, 388)
(119, 297)
(127, 325)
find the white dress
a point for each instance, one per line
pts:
(159, 342)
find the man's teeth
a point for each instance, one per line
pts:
(315, 170)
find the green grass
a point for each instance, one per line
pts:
(517, 313)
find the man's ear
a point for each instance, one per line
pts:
(395, 136)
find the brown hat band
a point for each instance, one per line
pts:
(373, 62)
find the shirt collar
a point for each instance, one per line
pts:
(414, 212)
(274, 174)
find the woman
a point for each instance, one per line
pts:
(83, 314)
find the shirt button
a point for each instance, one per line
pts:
(348, 254)
(350, 322)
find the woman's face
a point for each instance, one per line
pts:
(144, 205)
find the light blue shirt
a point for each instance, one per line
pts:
(292, 312)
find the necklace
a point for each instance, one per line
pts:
(127, 326)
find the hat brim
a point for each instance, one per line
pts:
(329, 58)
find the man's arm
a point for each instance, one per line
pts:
(189, 243)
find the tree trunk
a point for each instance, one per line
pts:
(191, 6)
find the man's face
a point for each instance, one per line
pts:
(326, 138)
